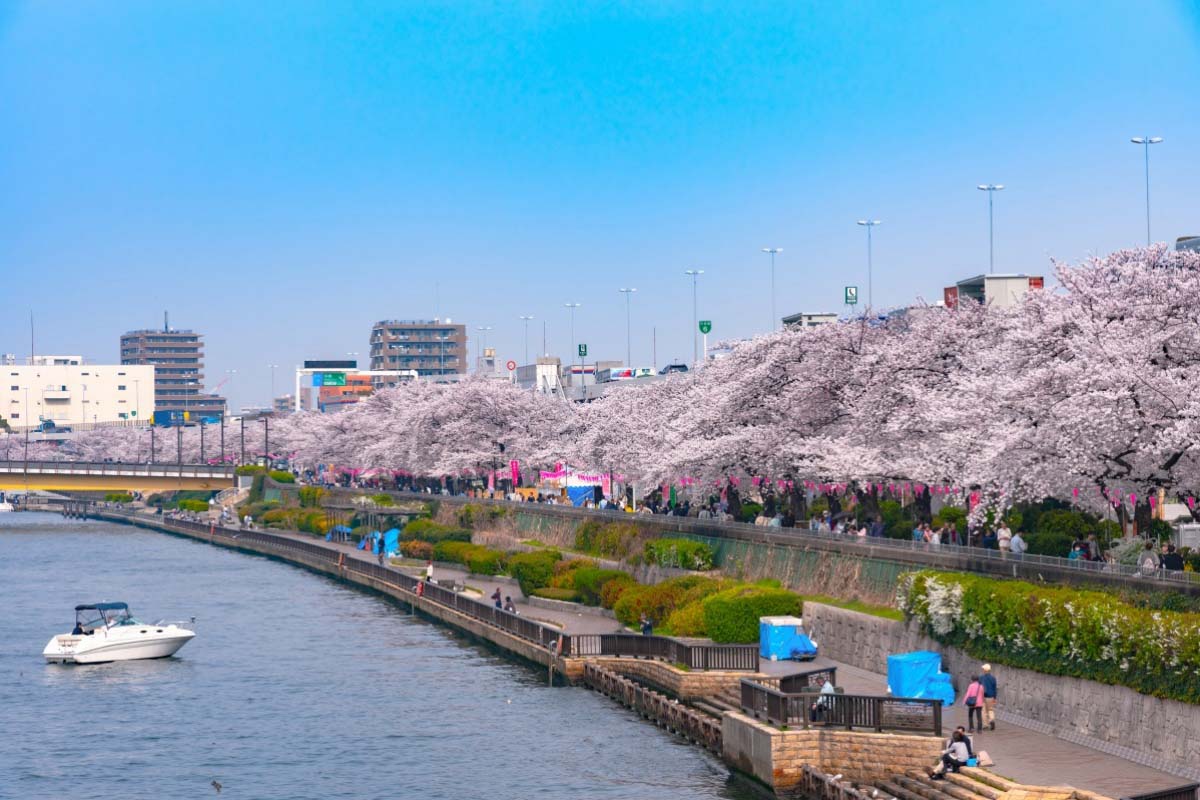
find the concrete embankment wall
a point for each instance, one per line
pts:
(1159, 733)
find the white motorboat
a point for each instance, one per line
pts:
(108, 632)
(5, 505)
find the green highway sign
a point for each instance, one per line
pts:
(705, 325)
(851, 295)
(583, 351)
(334, 379)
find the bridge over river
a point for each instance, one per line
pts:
(82, 476)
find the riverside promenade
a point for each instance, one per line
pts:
(1021, 755)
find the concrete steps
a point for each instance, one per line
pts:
(922, 784)
(988, 779)
(976, 787)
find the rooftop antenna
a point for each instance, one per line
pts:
(166, 323)
(32, 351)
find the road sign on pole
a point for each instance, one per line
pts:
(851, 295)
(583, 351)
(705, 326)
(511, 365)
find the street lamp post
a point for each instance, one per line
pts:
(773, 251)
(695, 274)
(1145, 142)
(273, 368)
(869, 224)
(571, 307)
(628, 292)
(525, 318)
(991, 189)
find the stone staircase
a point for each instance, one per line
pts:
(969, 784)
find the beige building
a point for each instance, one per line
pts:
(75, 394)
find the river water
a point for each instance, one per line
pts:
(295, 686)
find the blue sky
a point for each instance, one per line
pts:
(281, 175)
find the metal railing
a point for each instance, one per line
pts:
(700, 656)
(168, 468)
(968, 558)
(813, 709)
(810, 681)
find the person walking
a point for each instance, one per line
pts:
(1148, 561)
(498, 598)
(1004, 538)
(988, 681)
(1017, 545)
(973, 700)
(429, 571)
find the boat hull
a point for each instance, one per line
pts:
(144, 642)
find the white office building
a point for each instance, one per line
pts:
(66, 391)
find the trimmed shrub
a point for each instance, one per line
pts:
(1061, 522)
(656, 602)
(485, 561)
(382, 499)
(282, 476)
(118, 497)
(732, 615)
(452, 551)
(533, 570)
(248, 469)
(687, 620)
(750, 511)
(312, 522)
(276, 517)
(685, 553)
(1059, 631)
(426, 530)
(553, 593)
(199, 506)
(1049, 544)
(590, 582)
(415, 549)
(466, 516)
(613, 589)
(257, 510)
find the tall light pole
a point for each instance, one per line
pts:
(694, 273)
(571, 307)
(869, 224)
(525, 318)
(479, 348)
(1145, 142)
(991, 189)
(628, 336)
(773, 252)
(273, 368)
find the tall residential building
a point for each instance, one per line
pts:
(178, 360)
(431, 348)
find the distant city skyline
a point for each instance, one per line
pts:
(281, 177)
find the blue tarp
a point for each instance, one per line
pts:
(370, 542)
(339, 532)
(781, 638)
(919, 674)
(579, 494)
(391, 542)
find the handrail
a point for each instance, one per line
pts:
(814, 709)
(117, 467)
(946, 556)
(699, 656)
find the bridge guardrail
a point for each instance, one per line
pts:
(118, 468)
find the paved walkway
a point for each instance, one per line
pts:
(1021, 754)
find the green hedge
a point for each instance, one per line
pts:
(282, 476)
(199, 506)
(1059, 631)
(656, 602)
(426, 530)
(118, 497)
(590, 582)
(477, 558)
(311, 496)
(248, 469)
(685, 553)
(732, 615)
(533, 570)
(555, 593)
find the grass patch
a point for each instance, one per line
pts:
(858, 605)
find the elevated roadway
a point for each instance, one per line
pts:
(82, 476)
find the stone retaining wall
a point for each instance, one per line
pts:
(684, 684)
(777, 757)
(1162, 734)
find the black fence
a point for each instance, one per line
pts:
(849, 711)
(810, 681)
(731, 657)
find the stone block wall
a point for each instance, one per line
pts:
(684, 684)
(1159, 733)
(777, 757)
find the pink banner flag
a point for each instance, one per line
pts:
(1153, 502)
(1191, 501)
(1075, 492)
(514, 467)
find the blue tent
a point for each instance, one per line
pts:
(338, 532)
(369, 542)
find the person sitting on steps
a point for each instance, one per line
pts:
(954, 757)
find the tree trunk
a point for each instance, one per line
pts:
(734, 500)
(798, 499)
(923, 500)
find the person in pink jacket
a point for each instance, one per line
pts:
(973, 700)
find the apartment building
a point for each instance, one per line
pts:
(431, 348)
(178, 360)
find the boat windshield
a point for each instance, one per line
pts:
(90, 619)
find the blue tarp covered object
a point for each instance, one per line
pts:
(919, 674)
(781, 638)
(579, 494)
(391, 541)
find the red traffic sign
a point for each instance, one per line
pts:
(511, 365)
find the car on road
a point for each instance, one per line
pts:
(48, 426)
